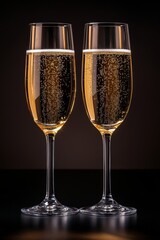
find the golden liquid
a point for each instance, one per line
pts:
(50, 87)
(107, 87)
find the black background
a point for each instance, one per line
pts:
(78, 144)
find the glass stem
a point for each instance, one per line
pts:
(106, 138)
(50, 194)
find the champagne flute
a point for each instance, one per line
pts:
(50, 83)
(107, 85)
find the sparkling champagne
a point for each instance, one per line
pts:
(107, 87)
(50, 87)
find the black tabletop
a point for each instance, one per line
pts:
(24, 188)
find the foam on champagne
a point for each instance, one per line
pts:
(50, 51)
(112, 50)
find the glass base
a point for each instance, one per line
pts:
(49, 208)
(107, 208)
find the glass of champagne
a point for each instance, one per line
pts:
(107, 85)
(50, 84)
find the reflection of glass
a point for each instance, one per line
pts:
(80, 227)
(114, 227)
(50, 92)
(107, 91)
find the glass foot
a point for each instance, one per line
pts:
(106, 208)
(49, 208)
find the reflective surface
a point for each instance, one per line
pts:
(78, 227)
(142, 226)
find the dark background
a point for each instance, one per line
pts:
(135, 144)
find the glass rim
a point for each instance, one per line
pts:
(107, 24)
(50, 24)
